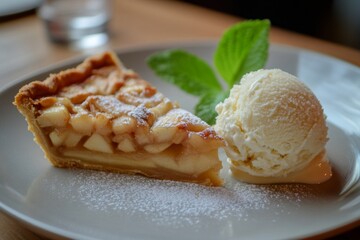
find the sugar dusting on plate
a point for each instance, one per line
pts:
(168, 202)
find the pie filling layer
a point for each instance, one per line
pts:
(163, 165)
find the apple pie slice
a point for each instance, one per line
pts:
(102, 116)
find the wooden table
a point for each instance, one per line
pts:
(25, 48)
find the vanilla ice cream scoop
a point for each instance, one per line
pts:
(275, 130)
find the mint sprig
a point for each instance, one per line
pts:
(242, 48)
(189, 72)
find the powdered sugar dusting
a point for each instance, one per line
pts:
(179, 116)
(174, 203)
(141, 114)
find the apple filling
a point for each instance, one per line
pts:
(69, 126)
(90, 136)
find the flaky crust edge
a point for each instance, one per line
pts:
(25, 98)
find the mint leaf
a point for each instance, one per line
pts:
(242, 48)
(187, 71)
(205, 109)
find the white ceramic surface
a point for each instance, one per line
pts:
(93, 205)
(10, 7)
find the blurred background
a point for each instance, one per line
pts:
(333, 20)
(337, 21)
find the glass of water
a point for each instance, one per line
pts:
(83, 23)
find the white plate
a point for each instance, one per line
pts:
(10, 7)
(95, 205)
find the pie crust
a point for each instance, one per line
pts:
(102, 116)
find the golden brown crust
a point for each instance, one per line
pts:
(50, 86)
(125, 94)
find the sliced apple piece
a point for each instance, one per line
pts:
(203, 141)
(162, 108)
(97, 142)
(142, 135)
(102, 124)
(126, 145)
(180, 136)
(66, 102)
(123, 124)
(163, 134)
(56, 116)
(57, 137)
(82, 123)
(72, 139)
